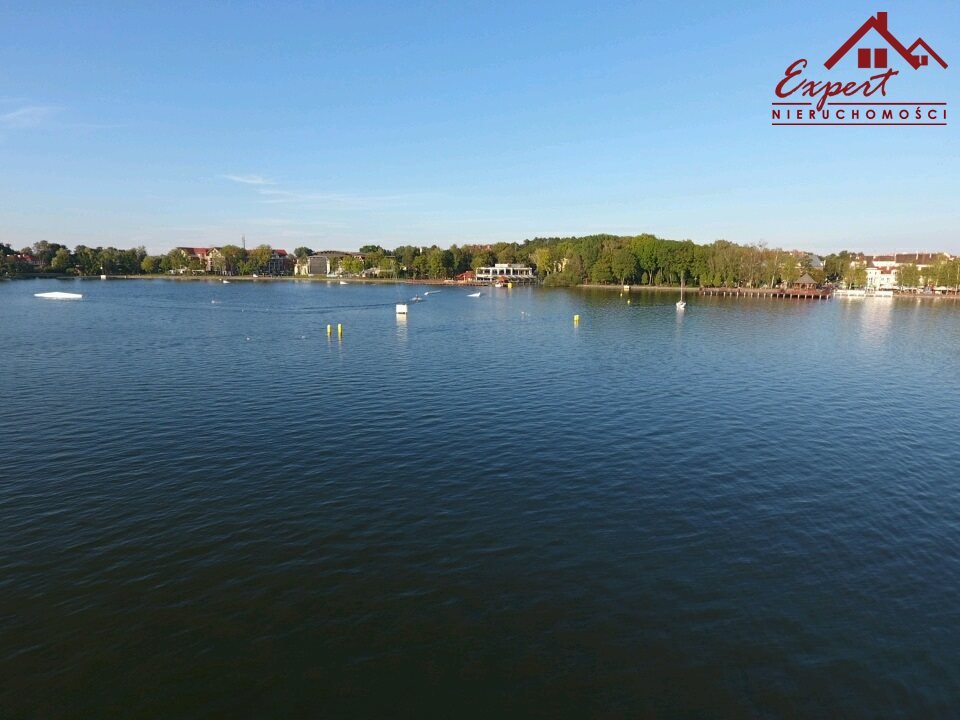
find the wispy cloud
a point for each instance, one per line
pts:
(346, 201)
(282, 222)
(249, 179)
(27, 117)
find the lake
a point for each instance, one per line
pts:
(210, 508)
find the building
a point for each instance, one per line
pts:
(881, 278)
(200, 254)
(805, 283)
(325, 262)
(505, 272)
(278, 264)
(883, 270)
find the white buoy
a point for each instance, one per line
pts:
(401, 308)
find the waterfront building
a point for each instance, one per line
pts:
(200, 254)
(883, 270)
(324, 262)
(505, 272)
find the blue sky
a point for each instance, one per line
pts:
(334, 125)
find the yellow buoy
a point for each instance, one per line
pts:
(576, 319)
(329, 330)
(339, 330)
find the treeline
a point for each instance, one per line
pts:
(52, 257)
(47, 257)
(638, 259)
(633, 259)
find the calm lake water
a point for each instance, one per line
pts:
(208, 508)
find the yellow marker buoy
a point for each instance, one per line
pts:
(339, 330)
(329, 330)
(576, 319)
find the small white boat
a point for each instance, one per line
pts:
(225, 282)
(401, 308)
(103, 277)
(681, 303)
(58, 296)
(429, 292)
(476, 294)
(343, 282)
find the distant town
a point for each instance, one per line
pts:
(643, 260)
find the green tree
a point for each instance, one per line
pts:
(150, 264)
(388, 266)
(835, 264)
(791, 271)
(542, 258)
(405, 256)
(302, 252)
(855, 275)
(231, 256)
(177, 260)
(259, 258)
(483, 258)
(351, 265)
(908, 276)
(419, 267)
(600, 272)
(505, 252)
(623, 264)
(62, 260)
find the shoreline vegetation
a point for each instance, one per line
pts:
(599, 261)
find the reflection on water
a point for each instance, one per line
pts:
(870, 317)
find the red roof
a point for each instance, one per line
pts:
(920, 42)
(878, 23)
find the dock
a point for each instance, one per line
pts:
(780, 293)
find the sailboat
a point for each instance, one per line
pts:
(681, 303)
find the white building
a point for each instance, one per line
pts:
(882, 278)
(505, 272)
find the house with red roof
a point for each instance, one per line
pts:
(876, 55)
(201, 254)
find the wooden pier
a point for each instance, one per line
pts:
(780, 293)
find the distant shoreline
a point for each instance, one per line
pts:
(410, 281)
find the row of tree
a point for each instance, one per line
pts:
(55, 258)
(636, 259)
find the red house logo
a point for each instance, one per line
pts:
(874, 92)
(876, 57)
